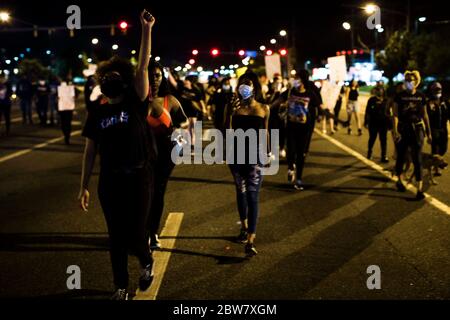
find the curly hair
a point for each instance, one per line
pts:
(119, 65)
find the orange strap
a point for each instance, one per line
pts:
(164, 119)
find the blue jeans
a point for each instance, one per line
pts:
(248, 180)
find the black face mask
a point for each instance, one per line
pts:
(112, 86)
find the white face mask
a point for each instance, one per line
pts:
(245, 91)
(410, 85)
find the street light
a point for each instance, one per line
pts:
(422, 19)
(273, 41)
(115, 47)
(4, 16)
(346, 26)
(94, 41)
(371, 8)
(262, 48)
(283, 33)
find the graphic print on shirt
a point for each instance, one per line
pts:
(298, 109)
(116, 119)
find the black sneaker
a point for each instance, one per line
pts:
(146, 278)
(369, 155)
(120, 294)
(420, 195)
(242, 237)
(400, 186)
(250, 250)
(154, 244)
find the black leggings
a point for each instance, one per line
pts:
(5, 110)
(414, 142)
(439, 145)
(163, 169)
(374, 131)
(66, 124)
(298, 136)
(125, 199)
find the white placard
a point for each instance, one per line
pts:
(338, 69)
(273, 65)
(330, 93)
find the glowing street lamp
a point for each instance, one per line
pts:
(273, 41)
(347, 26)
(283, 33)
(262, 48)
(370, 8)
(94, 41)
(4, 16)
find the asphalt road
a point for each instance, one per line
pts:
(315, 244)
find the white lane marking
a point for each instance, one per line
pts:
(170, 230)
(35, 147)
(430, 199)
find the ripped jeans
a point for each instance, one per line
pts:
(248, 180)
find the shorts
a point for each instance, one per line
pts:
(352, 106)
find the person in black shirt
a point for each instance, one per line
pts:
(117, 129)
(25, 93)
(300, 105)
(42, 96)
(5, 103)
(411, 124)
(314, 107)
(249, 116)
(88, 88)
(191, 101)
(219, 102)
(376, 120)
(353, 107)
(439, 114)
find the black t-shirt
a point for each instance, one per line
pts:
(120, 131)
(353, 95)
(376, 112)
(439, 115)
(410, 107)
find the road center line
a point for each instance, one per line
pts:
(430, 199)
(35, 147)
(168, 238)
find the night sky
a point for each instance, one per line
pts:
(228, 25)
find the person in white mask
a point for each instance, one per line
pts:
(411, 125)
(439, 113)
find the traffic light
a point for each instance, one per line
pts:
(123, 25)
(269, 52)
(283, 52)
(215, 52)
